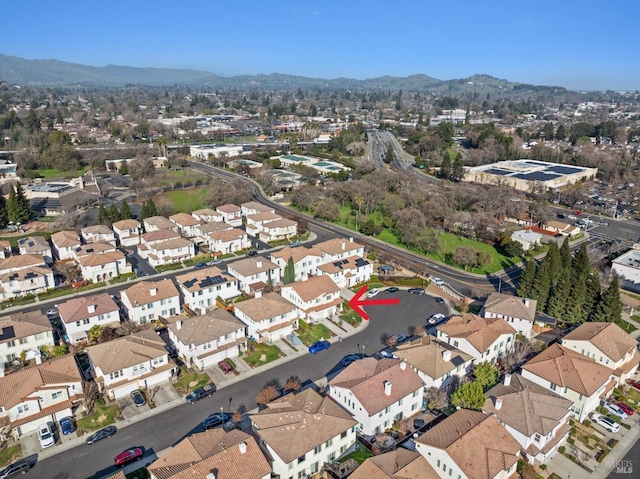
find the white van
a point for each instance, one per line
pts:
(437, 281)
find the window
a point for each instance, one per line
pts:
(115, 374)
(301, 459)
(314, 468)
(415, 393)
(387, 410)
(536, 437)
(329, 443)
(317, 449)
(56, 395)
(331, 457)
(438, 465)
(11, 343)
(400, 401)
(553, 387)
(23, 408)
(41, 399)
(343, 435)
(206, 346)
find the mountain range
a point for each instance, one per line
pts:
(55, 73)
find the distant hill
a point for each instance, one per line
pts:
(56, 73)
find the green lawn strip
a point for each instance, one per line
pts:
(55, 173)
(351, 317)
(310, 333)
(361, 455)
(168, 267)
(100, 417)
(8, 455)
(254, 358)
(182, 385)
(626, 325)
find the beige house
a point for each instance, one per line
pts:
(232, 455)
(518, 312)
(301, 432)
(231, 214)
(127, 232)
(305, 260)
(227, 241)
(187, 224)
(155, 223)
(347, 272)
(207, 215)
(562, 228)
(278, 230)
(79, 315)
(64, 243)
(23, 331)
(97, 248)
(268, 317)
(399, 463)
(36, 245)
(318, 297)
(205, 230)
(256, 222)
(24, 274)
(201, 287)
(339, 249)
(104, 266)
(148, 301)
(253, 207)
(167, 252)
(91, 234)
(158, 236)
(254, 273)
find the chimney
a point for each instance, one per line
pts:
(92, 308)
(350, 239)
(507, 379)
(153, 291)
(446, 355)
(259, 264)
(212, 475)
(387, 388)
(243, 447)
(497, 403)
(38, 359)
(403, 365)
(344, 246)
(258, 293)
(179, 325)
(526, 302)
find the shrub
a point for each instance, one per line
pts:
(571, 441)
(561, 449)
(600, 456)
(586, 422)
(571, 422)
(543, 467)
(612, 443)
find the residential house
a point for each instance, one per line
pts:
(527, 238)
(470, 444)
(520, 313)
(303, 431)
(205, 229)
(35, 245)
(396, 464)
(41, 393)
(256, 221)
(158, 236)
(338, 249)
(203, 341)
(201, 287)
(253, 207)
(127, 232)
(23, 331)
(147, 301)
(564, 229)
(97, 248)
(230, 455)
(572, 375)
(167, 252)
(318, 297)
(305, 260)
(347, 272)
(5, 248)
(79, 315)
(24, 274)
(536, 417)
(484, 339)
(255, 273)
(231, 214)
(137, 361)
(268, 317)
(378, 392)
(187, 224)
(278, 230)
(436, 362)
(607, 344)
(64, 243)
(155, 223)
(227, 241)
(207, 215)
(104, 266)
(91, 234)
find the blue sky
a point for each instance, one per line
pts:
(583, 45)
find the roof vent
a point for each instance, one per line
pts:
(387, 388)
(243, 447)
(507, 379)
(446, 355)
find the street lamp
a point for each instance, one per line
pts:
(221, 411)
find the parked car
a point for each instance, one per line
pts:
(53, 311)
(138, 398)
(225, 367)
(372, 292)
(392, 289)
(18, 467)
(125, 457)
(215, 262)
(607, 423)
(215, 420)
(173, 352)
(45, 434)
(634, 384)
(615, 410)
(100, 434)
(398, 338)
(200, 265)
(437, 281)
(252, 253)
(436, 318)
(204, 391)
(386, 354)
(349, 359)
(438, 299)
(625, 407)
(416, 290)
(67, 426)
(319, 346)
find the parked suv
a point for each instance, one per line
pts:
(607, 423)
(18, 467)
(204, 391)
(416, 290)
(615, 410)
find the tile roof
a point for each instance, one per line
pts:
(102, 258)
(609, 338)
(159, 222)
(480, 332)
(25, 273)
(202, 329)
(295, 424)
(337, 245)
(266, 306)
(23, 324)
(366, 380)
(97, 230)
(298, 253)
(63, 239)
(199, 454)
(76, 309)
(205, 212)
(314, 287)
(526, 406)
(252, 265)
(427, 354)
(254, 205)
(228, 208)
(511, 306)
(124, 352)
(566, 368)
(129, 224)
(214, 227)
(184, 219)
(476, 442)
(141, 292)
(228, 235)
(281, 223)
(21, 261)
(198, 279)
(159, 235)
(398, 464)
(34, 244)
(174, 243)
(16, 386)
(267, 216)
(96, 248)
(350, 263)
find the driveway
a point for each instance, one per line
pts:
(138, 265)
(129, 409)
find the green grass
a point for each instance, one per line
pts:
(14, 239)
(55, 173)
(7, 455)
(626, 325)
(351, 317)
(310, 333)
(253, 358)
(187, 200)
(361, 455)
(182, 384)
(100, 417)
(168, 267)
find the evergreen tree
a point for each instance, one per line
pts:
(12, 208)
(541, 285)
(149, 209)
(592, 294)
(565, 255)
(574, 312)
(486, 374)
(113, 214)
(557, 304)
(125, 211)
(555, 262)
(4, 219)
(527, 276)
(289, 272)
(103, 216)
(580, 263)
(609, 308)
(469, 396)
(23, 207)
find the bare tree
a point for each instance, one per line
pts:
(293, 384)
(266, 395)
(436, 398)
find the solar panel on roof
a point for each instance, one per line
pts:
(361, 262)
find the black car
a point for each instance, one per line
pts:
(204, 391)
(392, 289)
(103, 433)
(138, 398)
(416, 290)
(252, 253)
(438, 299)
(18, 467)
(215, 420)
(200, 266)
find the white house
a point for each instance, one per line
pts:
(377, 392)
(536, 417)
(79, 315)
(318, 297)
(338, 249)
(207, 215)
(23, 331)
(528, 239)
(519, 312)
(186, 223)
(268, 317)
(206, 229)
(303, 431)
(147, 301)
(64, 242)
(137, 361)
(232, 214)
(256, 221)
(105, 266)
(167, 252)
(155, 223)
(36, 245)
(347, 272)
(278, 230)
(227, 241)
(97, 248)
(484, 339)
(305, 260)
(201, 287)
(24, 274)
(127, 232)
(203, 341)
(158, 236)
(254, 273)
(91, 234)
(253, 207)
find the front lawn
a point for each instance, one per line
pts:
(259, 354)
(10, 454)
(190, 381)
(53, 173)
(310, 333)
(351, 317)
(361, 455)
(101, 416)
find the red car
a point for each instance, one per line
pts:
(125, 457)
(625, 407)
(633, 384)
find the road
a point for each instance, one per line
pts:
(166, 429)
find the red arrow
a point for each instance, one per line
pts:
(356, 303)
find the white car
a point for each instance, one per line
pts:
(372, 292)
(46, 436)
(436, 318)
(609, 424)
(615, 410)
(437, 281)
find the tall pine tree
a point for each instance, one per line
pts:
(125, 211)
(557, 304)
(4, 219)
(565, 254)
(103, 216)
(609, 308)
(527, 276)
(541, 284)
(289, 272)
(149, 209)
(23, 206)
(113, 213)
